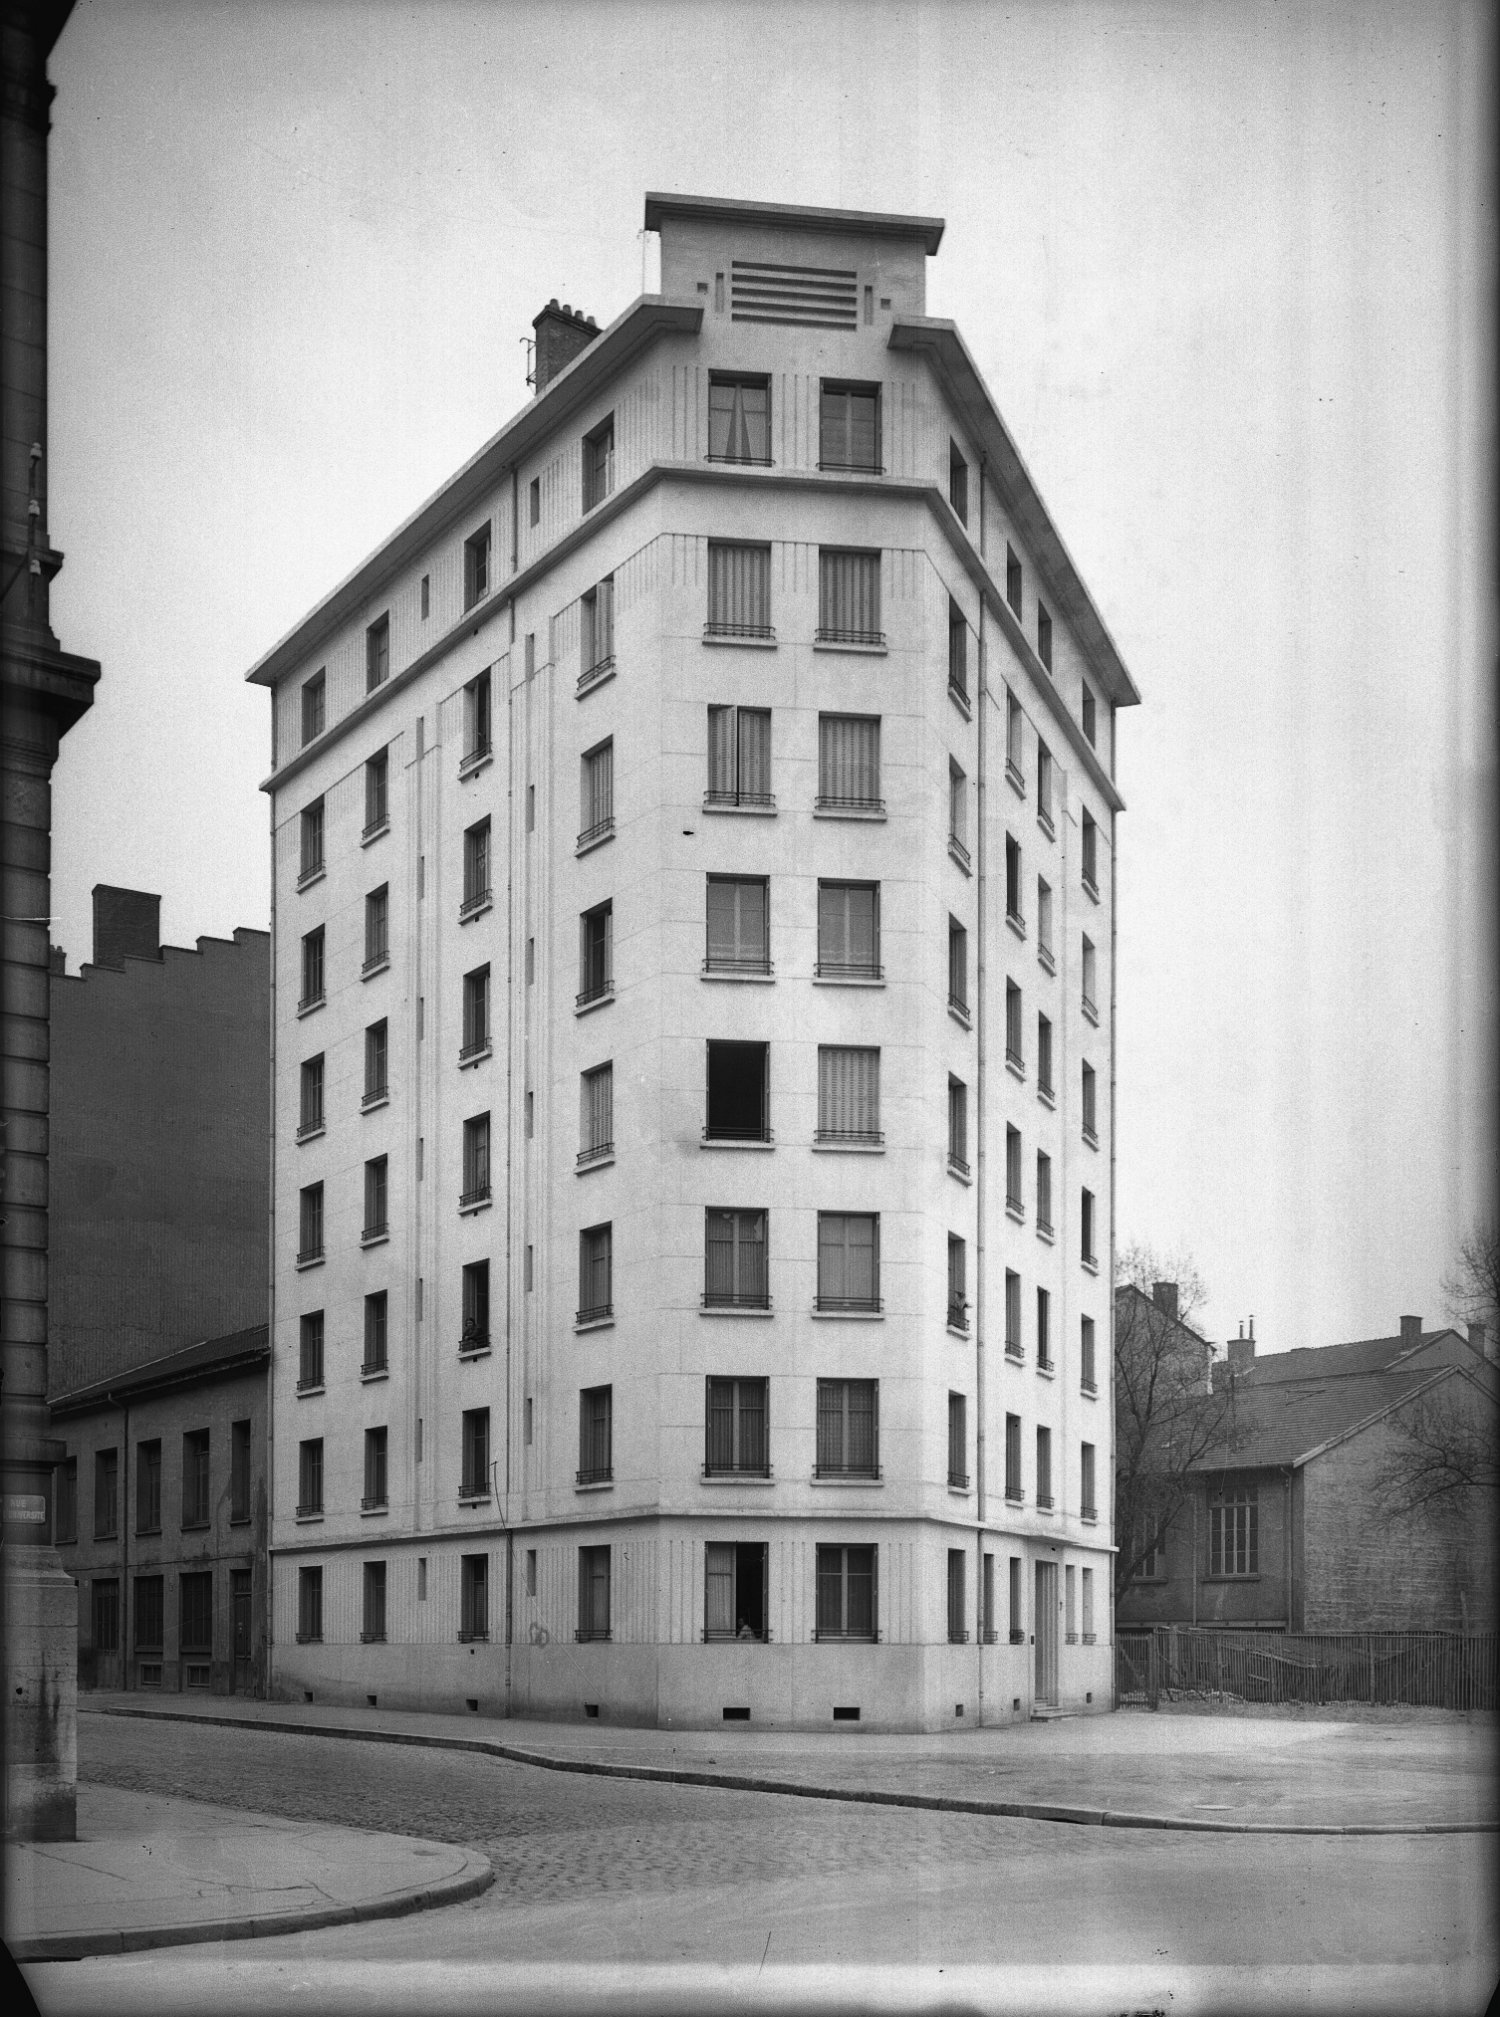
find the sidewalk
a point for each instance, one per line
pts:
(151, 1872)
(1130, 1769)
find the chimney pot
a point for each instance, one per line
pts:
(1411, 1333)
(1241, 1353)
(561, 334)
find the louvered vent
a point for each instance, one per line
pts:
(819, 297)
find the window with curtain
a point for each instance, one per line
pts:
(475, 1307)
(849, 930)
(848, 1094)
(476, 1012)
(735, 1271)
(845, 1593)
(312, 968)
(597, 793)
(848, 1428)
(377, 1051)
(739, 591)
(849, 597)
(1090, 979)
(597, 1119)
(596, 954)
(738, 941)
(849, 763)
(849, 1261)
(377, 653)
(477, 718)
(377, 1220)
(734, 1590)
(739, 756)
(739, 419)
(311, 1116)
(377, 928)
(595, 1272)
(1044, 923)
(736, 1429)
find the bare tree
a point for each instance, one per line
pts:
(1168, 1413)
(1445, 1447)
(1472, 1284)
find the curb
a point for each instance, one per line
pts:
(676, 1775)
(82, 1945)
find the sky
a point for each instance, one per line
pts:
(1227, 268)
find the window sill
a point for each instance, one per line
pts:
(959, 1492)
(377, 964)
(304, 1388)
(1045, 1232)
(752, 643)
(239, 1519)
(478, 1205)
(874, 814)
(1045, 960)
(960, 1016)
(1089, 1519)
(467, 912)
(595, 675)
(303, 1639)
(310, 1260)
(1016, 1067)
(376, 830)
(849, 1316)
(1252, 1577)
(476, 761)
(727, 973)
(468, 1059)
(1091, 1011)
(147, 1533)
(735, 1478)
(598, 1001)
(371, 1101)
(1046, 1096)
(863, 1484)
(586, 1162)
(1016, 1355)
(1017, 923)
(369, 1373)
(310, 876)
(1046, 1369)
(309, 1519)
(741, 811)
(958, 853)
(960, 700)
(1090, 1638)
(861, 650)
(848, 980)
(474, 1498)
(587, 842)
(1088, 1389)
(375, 1236)
(1090, 1264)
(597, 1324)
(597, 1485)
(958, 1330)
(1015, 1211)
(468, 1353)
(373, 1512)
(732, 1310)
(1045, 1507)
(1044, 821)
(848, 1148)
(310, 1130)
(1091, 1137)
(1090, 890)
(1014, 778)
(731, 1144)
(307, 1008)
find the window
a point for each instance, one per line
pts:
(1044, 1467)
(309, 1605)
(739, 419)
(738, 915)
(375, 1470)
(849, 427)
(105, 1604)
(597, 1117)
(593, 1593)
(195, 1492)
(1070, 1604)
(150, 1613)
(1013, 1346)
(1233, 1518)
(595, 1273)
(596, 794)
(1017, 1615)
(1090, 855)
(734, 1590)
(148, 1487)
(312, 969)
(310, 1476)
(476, 566)
(1090, 981)
(372, 1627)
(377, 1209)
(378, 929)
(314, 706)
(1013, 731)
(1013, 578)
(310, 1351)
(1044, 635)
(474, 1479)
(1088, 1505)
(849, 930)
(312, 841)
(848, 1429)
(475, 1335)
(1043, 1192)
(376, 1055)
(735, 1274)
(849, 763)
(737, 1103)
(958, 653)
(958, 483)
(848, 598)
(1150, 1540)
(377, 653)
(310, 1111)
(596, 1435)
(1044, 924)
(1013, 905)
(958, 1302)
(845, 1593)
(1088, 1607)
(478, 726)
(957, 1630)
(1043, 1330)
(1090, 715)
(1044, 1056)
(1014, 1053)
(958, 1126)
(1090, 1107)
(473, 1597)
(849, 1261)
(1013, 1489)
(476, 1013)
(958, 813)
(377, 792)
(1086, 1356)
(1086, 1221)
(377, 1308)
(65, 1511)
(739, 591)
(598, 630)
(239, 1470)
(958, 968)
(476, 867)
(1013, 1199)
(596, 977)
(987, 1599)
(848, 1095)
(599, 464)
(736, 1430)
(426, 596)
(534, 501)
(476, 1179)
(739, 756)
(958, 1443)
(1044, 785)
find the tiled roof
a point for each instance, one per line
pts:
(1280, 1421)
(210, 1356)
(1364, 1355)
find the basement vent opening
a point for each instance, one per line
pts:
(591, 1708)
(372, 1701)
(1089, 1696)
(471, 1702)
(736, 1715)
(1015, 1701)
(307, 1694)
(958, 1708)
(845, 1715)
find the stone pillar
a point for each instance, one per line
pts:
(43, 691)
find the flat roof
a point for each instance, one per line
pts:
(794, 217)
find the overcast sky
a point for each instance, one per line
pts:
(1227, 270)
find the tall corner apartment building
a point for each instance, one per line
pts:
(694, 897)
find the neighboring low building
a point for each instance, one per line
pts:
(162, 1515)
(1295, 1524)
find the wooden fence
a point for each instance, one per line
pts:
(1439, 1670)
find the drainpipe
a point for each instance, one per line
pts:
(270, 1611)
(127, 1612)
(515, 531)
(981, 1159)
(510, 1111)
(1195, 1557)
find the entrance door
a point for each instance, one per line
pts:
(243, 1642)
(1046, 1634)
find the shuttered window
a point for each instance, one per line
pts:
(598, 630)
(848, 1261)
(849, 763)
(848, 1094)
(739, 591)
(597, 1120)
(739, 756)
(735, 1271)
(849, 929)
(848, 1428)
(595, 1273)
(737, 916)
(736, 1433)
(849, 598)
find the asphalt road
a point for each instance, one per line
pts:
(620, 1874)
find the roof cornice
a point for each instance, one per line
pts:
(794, 217)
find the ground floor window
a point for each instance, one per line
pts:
(957, 1629)
(1232, 1537)
(195, 1615)
(846, 1593)
(593, 1593)
(474, 1592)
(309, 1605)
(374, 1609)
(105, 1600)
(735, 1590)
(150, 1612)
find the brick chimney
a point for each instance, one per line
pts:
(1241, 1350)
(1411, 1333)
(127, 925)
(560, 337)
(1164, 1295)
(1479, 1341)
